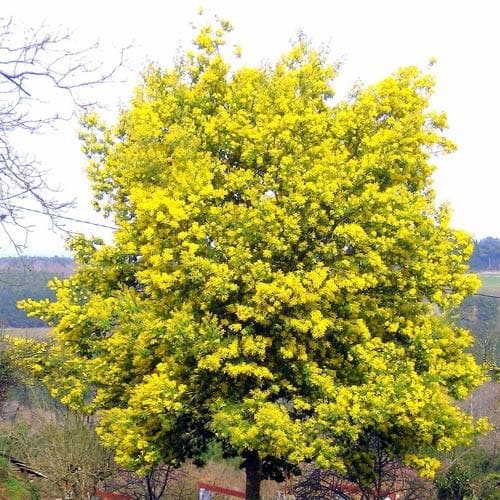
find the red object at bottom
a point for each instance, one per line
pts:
(105, 495)
(219, 489)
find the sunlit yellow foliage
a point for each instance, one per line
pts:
(279, 271)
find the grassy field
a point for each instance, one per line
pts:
(27, 333)
(491, 282)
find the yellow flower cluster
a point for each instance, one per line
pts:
(278, 274)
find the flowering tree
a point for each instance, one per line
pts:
(277, 275)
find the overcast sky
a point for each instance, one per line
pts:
(372, 38)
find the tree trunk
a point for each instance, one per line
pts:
(254, 476)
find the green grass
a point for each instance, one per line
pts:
(13, 486)
(491, 282)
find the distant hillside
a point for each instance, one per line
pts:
(27, 277)
(58, 265)
(486, 255)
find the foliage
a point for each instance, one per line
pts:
(12, 487)
(480, 315)
(7, 375)
(474, 471)
(276, 273)
(63, 447)
(455, 484)
(24, 356)
(469, 479)
(486, 254)
(23, 278)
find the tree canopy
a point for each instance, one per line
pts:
(486, 254)
(277, 275)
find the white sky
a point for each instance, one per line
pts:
(372, 38)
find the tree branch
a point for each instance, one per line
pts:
(37, 66)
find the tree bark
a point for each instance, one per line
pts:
(254, 476)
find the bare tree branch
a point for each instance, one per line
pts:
(388, 478)
(38, 67)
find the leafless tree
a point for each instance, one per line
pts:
(318, 484)
(389, 478)
(155, 485)
(43, 80)
(62, 448)
(393, 481)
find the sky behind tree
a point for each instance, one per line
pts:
(370, 39)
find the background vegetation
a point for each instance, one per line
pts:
(60, 439)
(27, 277)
